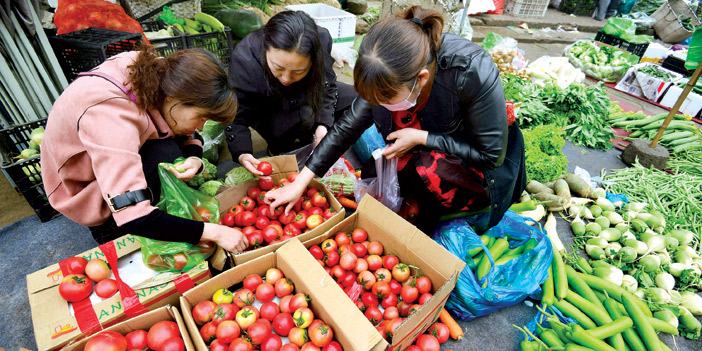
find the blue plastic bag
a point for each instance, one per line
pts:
(540, 318)
(369, 141)
(507, 284)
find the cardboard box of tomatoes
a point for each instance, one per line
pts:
(282, 167)
(151, 329)
(326, 301)
(390, 235)
(58, 322)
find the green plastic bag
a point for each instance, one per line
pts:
(490, 41)
(694, 54)
(619, 27)
(180, 200)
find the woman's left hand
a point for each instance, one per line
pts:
(188, 169)
(319, 134)
(405, 140)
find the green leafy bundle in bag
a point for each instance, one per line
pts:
(180, 200)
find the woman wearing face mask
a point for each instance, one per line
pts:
(439, 100)
(284, 78)
(109, 130)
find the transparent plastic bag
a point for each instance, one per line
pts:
(340, 179)
(212, 138)
(385, 187)
(172, 256)
(504, 285)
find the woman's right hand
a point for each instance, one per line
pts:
(289, 194)
(227, 238)
(250, 163)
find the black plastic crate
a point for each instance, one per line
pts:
(25, 174)
(164, 46)
(219, 43)
(82, 50)
(676, 65)
(636, 49)
(578, 7)
(608, 39)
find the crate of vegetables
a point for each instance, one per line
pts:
(99, 288)
(279, 299)
(160, 329)
(374, 252)
(242, 207)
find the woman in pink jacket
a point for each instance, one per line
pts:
(109, 130)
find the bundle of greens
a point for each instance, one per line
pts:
(544, 159)
(654, 72)
(602, 63)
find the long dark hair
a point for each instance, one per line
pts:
(394, 51)
(194, 77)
(295, 31)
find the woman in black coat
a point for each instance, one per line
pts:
(287, 89)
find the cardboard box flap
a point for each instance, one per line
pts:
(52, 275)
(414, 240)
(325, 292)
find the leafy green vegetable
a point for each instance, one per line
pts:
(602, 63)
(544, 159)
(654, 72)
(209, 172)
(210, 187)
(237, 176)
(647, 6)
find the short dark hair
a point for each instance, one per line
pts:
(394, 51)
(296, 31)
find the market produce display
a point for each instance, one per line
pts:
(264, 313)
(77, 285)
(262, 227)
(543, 156)
(162, 336)
(602, 63)
(681, 134)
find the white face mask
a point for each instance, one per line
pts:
(404, 104)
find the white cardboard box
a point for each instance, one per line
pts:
(691, 106)
(340, 24)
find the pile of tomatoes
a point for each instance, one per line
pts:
(162, 336)
(382, 287)
(77, 285)
(231, 322)
(262, 227)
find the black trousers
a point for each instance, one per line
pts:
(152, 153)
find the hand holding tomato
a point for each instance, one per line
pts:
(251, 163)
(291, 193)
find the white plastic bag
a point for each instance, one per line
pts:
(385, 187)
(340, 179)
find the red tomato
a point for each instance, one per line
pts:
(75, 287)
(427, 342)
(282, 323)
(208, 332)
(298, 301)
(160, 332)
(395, 287)
(300, 220)
(374, 262)
(329, 213)
(97, 270)
(361, 265)
(319, 200)
(311, 191)
(321, 334)
(258, 331)
(286, 219)
(389, 300)
(337, 272)
(391, 327)
(424, 298)
(270, 310)
(289, 347)
(136, 340)
(203, 214)
(179, 261)
(409, 293)
(310, 346)
(403, 308)
(307, 204)
(342, 238)
(373, 314)
(400, 272)
(298, 204)
(359, 235)
(265, 167)
(284, 287)
(331, 259)
(173, 344)
(329, 245)
(265, 184)
(291, 230)
(333, 346)
(236, 209)
(283, 182)
(228, 219)
(243, 298)
(106, 288)
(106, 341)
(344, 249)
(348, 279)
(285, 304)
(317, 252)
(269, 233)
(217, 345)
(440, 331)
(224, 312)
(271, 342)
(255, 239)
(369, 300)
(273, 275)
(252, 281)
(383, 275)
(390, 261)
(240, 344)
(315, 211)
(247, 203)
(413, 348)
(391, 313)
(303, 316)
(366, 279)
(253, 192)
(265, 292)
(375, 248)
(246, 317)
(292, 176)
(423, 285)
(76, 265)
(380, 289)
(298, 336)
(248, 218)
(203, 312)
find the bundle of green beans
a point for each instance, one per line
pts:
(677, 196)
(681, 134)
(653, 71)
(687, 162)
(605, 314)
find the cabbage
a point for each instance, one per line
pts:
(210, 187)
(237, 176)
